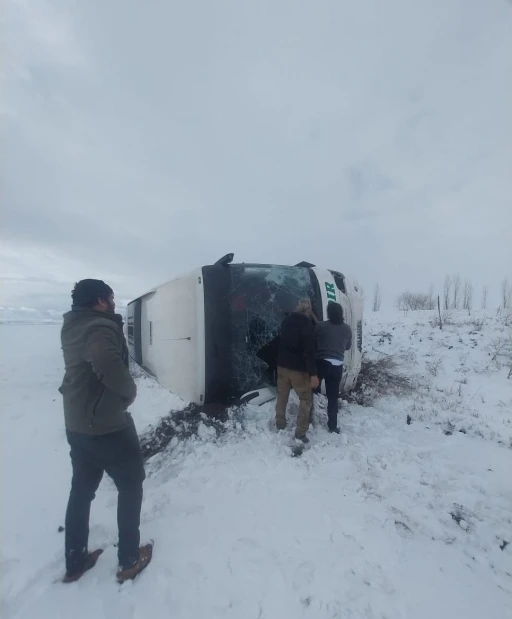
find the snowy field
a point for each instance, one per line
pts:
(388, 520)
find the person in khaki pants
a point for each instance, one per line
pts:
(297, 367)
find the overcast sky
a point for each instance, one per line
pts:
(142, 139)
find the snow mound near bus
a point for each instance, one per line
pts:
(461, 376)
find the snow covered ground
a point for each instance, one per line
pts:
(389, 520)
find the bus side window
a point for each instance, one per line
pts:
(339, 280)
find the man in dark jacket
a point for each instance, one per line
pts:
(297, 367)
(97, 390)
(333, 338)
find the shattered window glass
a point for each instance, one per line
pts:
(260, 298)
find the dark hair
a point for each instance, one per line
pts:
(335, 313)
(87, 292)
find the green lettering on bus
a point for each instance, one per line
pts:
(331, 291)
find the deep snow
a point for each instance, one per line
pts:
(387, 520)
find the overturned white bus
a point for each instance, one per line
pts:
(212, 335)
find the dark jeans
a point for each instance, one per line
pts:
(332, 375)
(117, 454)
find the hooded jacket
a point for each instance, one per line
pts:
(332, 340)
(97, 386)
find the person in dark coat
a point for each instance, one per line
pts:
(97, 390)
(333, 339)
(297, 367)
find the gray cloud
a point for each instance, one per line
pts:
(141, 141)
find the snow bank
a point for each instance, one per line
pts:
(461, 374)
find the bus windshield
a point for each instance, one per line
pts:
(260, 297)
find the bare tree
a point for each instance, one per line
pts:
(467, 298)
(413, 301)
(376, 298)
(447, 292)
(506, 294)
(431, 298)
(457, 285)
(485, 292)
